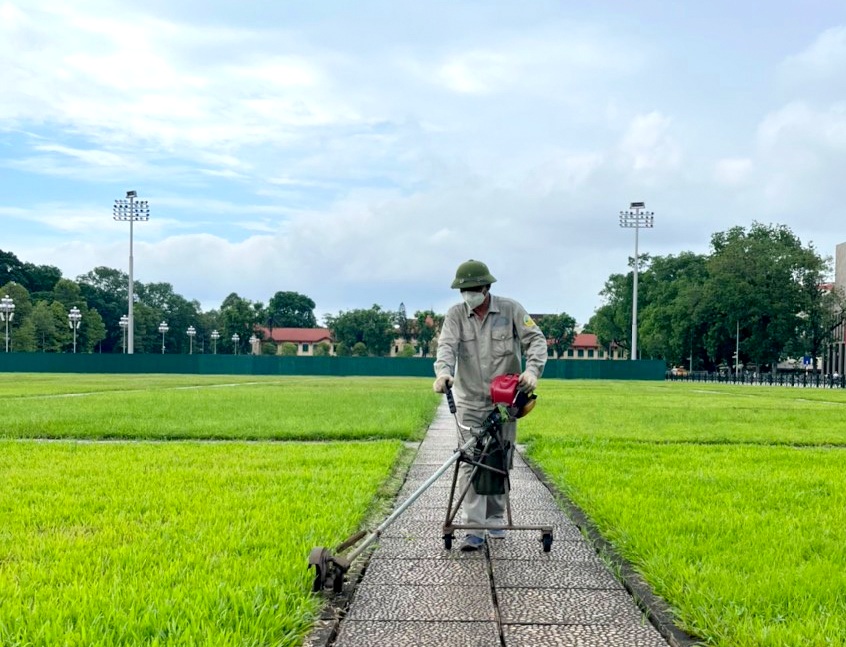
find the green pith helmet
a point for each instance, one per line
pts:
(472, 274)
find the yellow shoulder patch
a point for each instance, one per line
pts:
(528, 321)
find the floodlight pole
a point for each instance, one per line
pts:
(636, 217)
(130, 210)
(7, 313)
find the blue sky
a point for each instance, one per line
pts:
(358, 152)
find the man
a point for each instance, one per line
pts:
(481, 338)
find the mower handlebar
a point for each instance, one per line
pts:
(450, 399)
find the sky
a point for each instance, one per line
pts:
(358, 152)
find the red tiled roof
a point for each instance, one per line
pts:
(585, 340)
(297, 335)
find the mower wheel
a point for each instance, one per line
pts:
(546, 540)
(448, 542)
(338, 583)
(317, 585)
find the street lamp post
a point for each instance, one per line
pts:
(124, 322)
(191, 332)
(163, 328)
(131, 210)
(235, 339)
(74, 317)
(7, 312)
(636, 217)
(214, 336)
(253, 340)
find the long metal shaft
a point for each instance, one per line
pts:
(634, 299)
(373, 536)
(131, 283)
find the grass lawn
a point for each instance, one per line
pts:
(185, 542)
(219, 407)
(179, 543)
(729, 500)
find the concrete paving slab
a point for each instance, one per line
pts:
(582, 636)
(429, 603)
(562, 550)
(427, 572)
(420, 548)
(562, 606)
(556, 575)
(418, 634)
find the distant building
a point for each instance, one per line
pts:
(305, 339)
(586, 346)
(835, 355)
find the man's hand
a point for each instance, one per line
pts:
(442, 383)
(527, 382)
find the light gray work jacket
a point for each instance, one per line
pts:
(474, 352)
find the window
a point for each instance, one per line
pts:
(305, 348)
(590, 352)
(581, 353)
(601, 354)
(570, 353)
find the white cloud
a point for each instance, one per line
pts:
(824, 59)
(733, 171)
(648, 144)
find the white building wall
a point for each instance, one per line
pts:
(840, 268)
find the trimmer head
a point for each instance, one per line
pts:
(329, 570)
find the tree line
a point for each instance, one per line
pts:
(43, 299)
(759, 286)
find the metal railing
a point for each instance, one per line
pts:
(809, 379)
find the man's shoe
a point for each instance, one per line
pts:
(496, 533)
(472, 542)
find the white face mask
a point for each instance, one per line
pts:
(473, 299)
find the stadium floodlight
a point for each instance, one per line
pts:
(235, 339)
(636, 217)
(214, 337)
(124, 322)
(163, 328)
(74, 318)
(191, 332)
(7, 313)
(131, 210)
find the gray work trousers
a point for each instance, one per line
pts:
(480, 509)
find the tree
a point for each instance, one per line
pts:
(288, 349)
(21, 331)
(105, 290)
(45, 331)
(671, 323)
(68, 294)
(559, 330)
(426, 327)
(40, 278)
(290, 310)
(402, 326)
(11, 269)
(611, 322)
(93, 330)
(238, 316)
(759, 281)
(322, 349)
(374, 328)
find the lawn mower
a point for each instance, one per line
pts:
(485, 450)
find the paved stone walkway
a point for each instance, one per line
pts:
(414, 592)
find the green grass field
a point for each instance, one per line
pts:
(185, 542)
(730, 501)
(214, 407)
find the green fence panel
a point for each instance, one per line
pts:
(275, 365)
